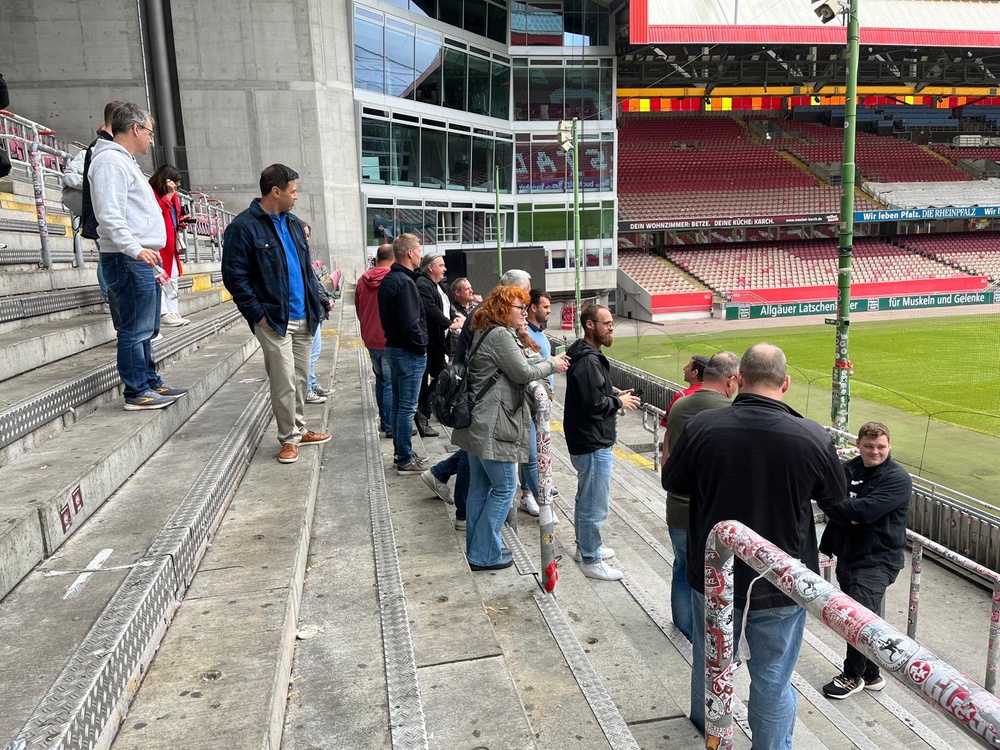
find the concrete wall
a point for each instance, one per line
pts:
(260, 82)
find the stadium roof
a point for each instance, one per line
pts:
(939, 23)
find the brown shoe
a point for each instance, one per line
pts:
(288, 454)
(314, 438)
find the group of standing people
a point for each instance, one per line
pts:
(757, 461)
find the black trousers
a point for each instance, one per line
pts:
(435, 363)
(867, 587)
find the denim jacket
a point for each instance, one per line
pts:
(255, 270)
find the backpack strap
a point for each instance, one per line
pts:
(493, 379)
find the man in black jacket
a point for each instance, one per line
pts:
(267, 268)
(867, 533)
(589, 426)
(758, 462)
(440, 321)
(405, 324)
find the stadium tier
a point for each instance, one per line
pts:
(654, 274)
(955, 153)
(808, 270)
(815, 198)
(974, 253)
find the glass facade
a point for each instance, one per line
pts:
(571, 23)
(563, 89)
(436, 222)
(540, 166)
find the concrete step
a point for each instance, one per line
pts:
(51, 611)
(51, 491)
(211, 682)
(37, 281)
(39, 342)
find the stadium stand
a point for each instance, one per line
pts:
(654, 274)
(975, 253)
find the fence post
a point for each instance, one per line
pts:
(37, 182)
(718, 634)
(916, 567)
(993, 652)
(546, 514)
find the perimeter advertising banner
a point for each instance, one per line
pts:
(727, 222)
(874, 304)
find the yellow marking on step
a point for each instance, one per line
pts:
(201, 282)
(633, 458)
(555, 426)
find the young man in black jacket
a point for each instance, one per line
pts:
(867, 533)
(758, 462)
(405, 324)
(440, 322)
(589, 426)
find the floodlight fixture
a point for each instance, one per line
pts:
(825, 12)
(565, 135)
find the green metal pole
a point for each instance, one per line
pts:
(577, 328)
(841, 409)
(496, 190)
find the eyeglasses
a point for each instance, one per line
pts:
(523, 310)
(609, 324)
(143, 127)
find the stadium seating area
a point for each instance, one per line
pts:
(974, 252)
(817, 198)
(806, 263)
(653, 274)
(878, 158)
(953, 154)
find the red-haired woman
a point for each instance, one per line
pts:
(165, 182)
(498, 437)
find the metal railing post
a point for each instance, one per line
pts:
(993, 650)
(38, 184)
(916, 568)
(965, 702)
(546, 514)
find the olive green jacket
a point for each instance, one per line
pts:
(501, 422)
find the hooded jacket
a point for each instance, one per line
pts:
(128, 215)
(868, 529)
(255, 269)
(758, 462)
(366, 306)
(401, 310)
(590, 404)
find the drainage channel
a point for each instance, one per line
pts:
(85, 705)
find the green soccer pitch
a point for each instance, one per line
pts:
(934, 381)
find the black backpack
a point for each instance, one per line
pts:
(451, 401)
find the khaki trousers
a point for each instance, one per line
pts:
(286, 360)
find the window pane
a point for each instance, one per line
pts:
(428, 71)
(596, 169)
(521, 94)
(590, 226)
(430, 227)
(479, 85)
(400, 3)
(450, 11)
(475, 17)
(468, 227)
(522, 167)
(548, 168)
(459, 161)
(518, 23)
(606, 100)
(544, 27)
(411, 220)
(433, 159)
(424, 8)
(368, 56)
(479, 227)
(607, 224)
(524, 224)
(454, 78)
(500, 91)
(496, 28)
(399, 72)
(405, 154)
(482, 164)
(381, 228)
(551, 225)
(375, 152)
(504, 153)
(581, 93)
(547, 94)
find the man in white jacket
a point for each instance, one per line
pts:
(131, 231)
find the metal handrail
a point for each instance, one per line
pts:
(961, 699)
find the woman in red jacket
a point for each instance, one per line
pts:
(165, 182)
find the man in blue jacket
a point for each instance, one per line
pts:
(267, 268)
(867, 533)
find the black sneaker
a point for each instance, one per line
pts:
(843, 687)
(147, 400)
(166, 390)
(875, 683)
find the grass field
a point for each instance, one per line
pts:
(934, 381)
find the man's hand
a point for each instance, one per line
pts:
(457, 323)
(262, 321)
(629, 400)
(562, 362)
(150, 257)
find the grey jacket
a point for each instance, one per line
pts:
(128, 214)
(501, 422)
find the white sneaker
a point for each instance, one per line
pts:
(314, 398)
(438, 487)
(601, 571)
(528, 505)
(606, 554)
(172, 320)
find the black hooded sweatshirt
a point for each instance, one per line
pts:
(590, 403)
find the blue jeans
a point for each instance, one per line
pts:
(593, 495)
(138, 298)
(775, 637)
(317, 348)
(680, 592)
(529, 469)
(407, 371)
(383, 387)
(456, 465)
(491, 489)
